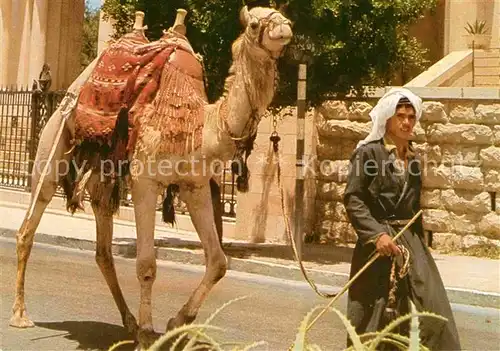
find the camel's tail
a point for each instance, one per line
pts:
(168, 204)
(168, 209)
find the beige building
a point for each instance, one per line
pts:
(34, 32)
(454, 63)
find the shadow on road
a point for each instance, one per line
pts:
(91, 335)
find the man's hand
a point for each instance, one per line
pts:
(386, 247)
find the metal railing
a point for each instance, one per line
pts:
(23, 114)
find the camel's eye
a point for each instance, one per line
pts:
(254, 25)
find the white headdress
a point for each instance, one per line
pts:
(385, 109)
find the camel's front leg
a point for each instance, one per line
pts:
(144, 195)
(199, 203)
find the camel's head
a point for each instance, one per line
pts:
(267, 28)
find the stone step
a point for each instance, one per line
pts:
(487, 53)
(487, 81)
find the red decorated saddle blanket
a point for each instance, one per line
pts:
(156, 86)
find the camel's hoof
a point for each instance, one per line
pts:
(171, 324)
(147, 337)
(130, 323)
(21, 321)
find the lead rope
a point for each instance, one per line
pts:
(390, 309)
(275, 139)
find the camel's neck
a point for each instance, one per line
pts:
(248, 91)
(249, 88)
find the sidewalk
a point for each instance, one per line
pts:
(469, 280)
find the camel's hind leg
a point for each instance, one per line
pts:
(100, 194)
(199, 203)
(57, 169)
(24, 244)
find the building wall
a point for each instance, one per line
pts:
(442, 31)
(459, 12)
(459, 141)
(34, 32)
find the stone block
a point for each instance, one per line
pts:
(463, 112)
(464, 223)
(345, 129)
(488, 113)
(331, 210)
(447, 241)
(333, 109)
(461, 202)
(325, 150)
(433, 112)
(459, 134)
(334, 170)
(340, 213)
(489, 226)
(455, 155)
(331, 191)
(419, 133)
(437, 220)
(334, 149)
(491, 157)
(468, 178)
(436, 177)
(429, 153)
(475, 240)
(359, 111)
(496, 135)
(492, 180)
(347, 148)
(431, 198)
(337, 232)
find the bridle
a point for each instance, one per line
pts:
(270, 23)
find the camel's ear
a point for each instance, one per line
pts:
(244, 16)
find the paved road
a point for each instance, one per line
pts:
(72, 308)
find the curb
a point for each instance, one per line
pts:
(187, 253)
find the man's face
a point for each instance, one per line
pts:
(402, 123)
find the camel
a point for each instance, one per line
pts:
(228, 125)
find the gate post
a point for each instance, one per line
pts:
(299, 165)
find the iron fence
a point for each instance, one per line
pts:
(23, 114)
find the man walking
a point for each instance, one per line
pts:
(381, 196)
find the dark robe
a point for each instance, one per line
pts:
(377, 194)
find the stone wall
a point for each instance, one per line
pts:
(459, 142)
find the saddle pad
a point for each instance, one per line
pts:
(160, 84)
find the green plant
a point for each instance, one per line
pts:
(478, 27)
(200, 340)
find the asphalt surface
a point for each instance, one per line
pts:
(72, 308)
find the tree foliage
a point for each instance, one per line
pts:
(90, 35)
(346, 43)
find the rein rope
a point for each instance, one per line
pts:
(390, 309)
(275, 138)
